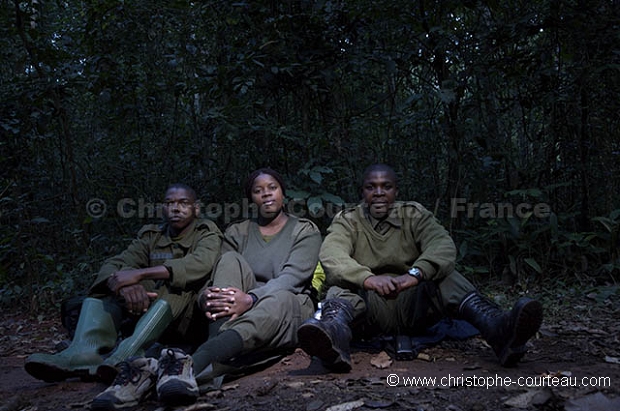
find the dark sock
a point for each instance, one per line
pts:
(214, 327)
(218, 348)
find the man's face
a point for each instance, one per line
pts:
(180, 209)
(379, 192)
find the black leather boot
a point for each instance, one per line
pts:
(329, 337)
(506, 332)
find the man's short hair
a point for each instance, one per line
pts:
(188, 189)
(379, 168)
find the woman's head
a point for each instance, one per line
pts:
(265, 188)
(249, 182)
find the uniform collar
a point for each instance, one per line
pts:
(393, 217)
(184, 241)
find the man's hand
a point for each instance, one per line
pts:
(405, 281)
(222, 302)
(137, 299)
(388, 286)
(125, 278)
(381, 284)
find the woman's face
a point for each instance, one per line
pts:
(267, 195)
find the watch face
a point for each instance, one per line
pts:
(417, 273)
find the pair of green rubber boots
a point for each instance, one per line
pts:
(96, 334)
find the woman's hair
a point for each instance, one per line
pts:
(250, 181)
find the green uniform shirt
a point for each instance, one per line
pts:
(285, 262)
(189, 258)
(358, 246)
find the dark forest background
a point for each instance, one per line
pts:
(490, 102)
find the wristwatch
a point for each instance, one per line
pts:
(415, 272)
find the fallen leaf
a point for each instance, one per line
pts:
(558, 374)
(314, 405)
(230, 387)
(423, 357)
(382, 403)
(612, 360)
(295, 385)
(266, 388)
(529, 398)
(214, 394)
(346, 406)
(545, 332)
(381, 360)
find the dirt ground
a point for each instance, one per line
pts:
(573, 364)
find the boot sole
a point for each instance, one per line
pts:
(318, 344)
(50, 373)
(528, 322)
(176, 393)
(112, 404)
(108, 405)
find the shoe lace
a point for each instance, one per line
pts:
(333, 308)
(170, 364)
(127, 374)
(488, 308)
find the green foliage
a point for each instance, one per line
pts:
(310, 198)
(526, 250)
(491, 102)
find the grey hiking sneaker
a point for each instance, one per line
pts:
(176, 384)
(134, 381)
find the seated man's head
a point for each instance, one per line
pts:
(379, 189)
(180, 208)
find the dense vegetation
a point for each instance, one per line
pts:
(508, 105)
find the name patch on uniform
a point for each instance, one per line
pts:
(161, 256)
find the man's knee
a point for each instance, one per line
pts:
(453, 289)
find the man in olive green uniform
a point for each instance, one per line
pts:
(387, 262)
(155, 280)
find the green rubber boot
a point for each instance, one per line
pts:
(95, 333)
(148, 329)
